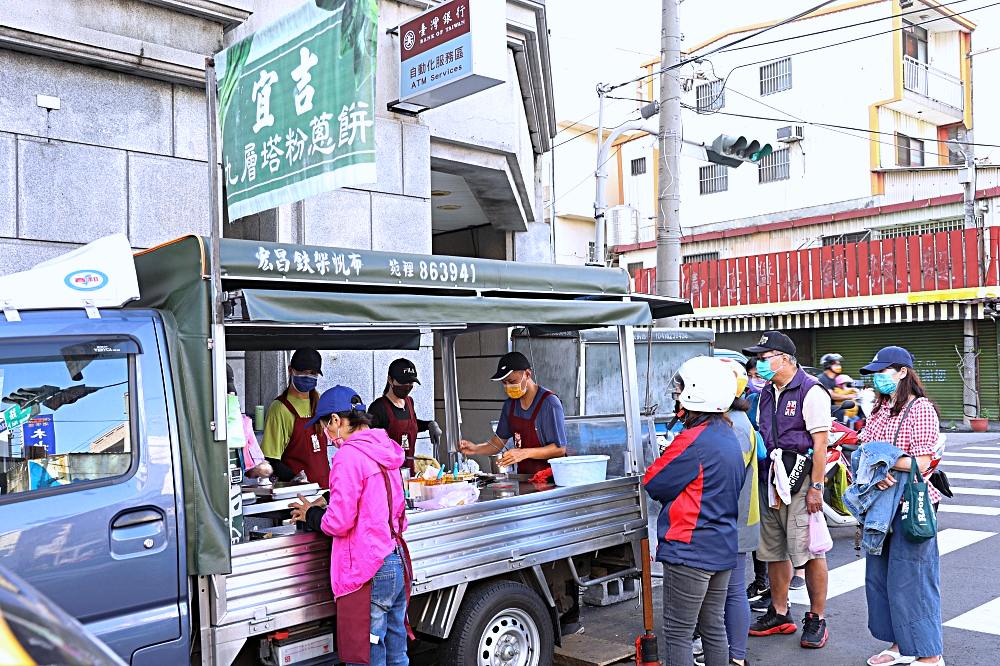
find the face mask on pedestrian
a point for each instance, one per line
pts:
(886, 382)
(304, 383)
(764, 367)
(836, 368)
(401, 390)
(333, 431)
(515, 391)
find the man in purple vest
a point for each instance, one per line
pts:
(794, 419)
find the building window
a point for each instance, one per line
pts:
(951, 136)
(638, 166)
(713, 178)
(711, 96)
(702, 256)
(932, 227)
(776, 76)
(914, 42)
(774, 167)
(909, 151)
(844, 239)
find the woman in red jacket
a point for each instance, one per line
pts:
(698, 480)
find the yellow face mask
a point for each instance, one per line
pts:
(515, 391)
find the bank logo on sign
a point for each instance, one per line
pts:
(409, 39)
(86, 280)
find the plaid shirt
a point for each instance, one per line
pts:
(917, 436)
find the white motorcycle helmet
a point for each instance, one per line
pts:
(708, 385)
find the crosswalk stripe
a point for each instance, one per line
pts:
(959, 454)
(982, 619)
(964, 463)
(980, 448)
(967, 508)
(974, 477)
(851, 576)
(984, 492)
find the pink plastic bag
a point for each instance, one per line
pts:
(820, 540)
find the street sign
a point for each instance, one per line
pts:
(296, 106)
(40, 430)
(452, 51)
(16, 417)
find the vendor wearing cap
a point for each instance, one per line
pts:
(290, 443)
(394, 411)
(532, 415)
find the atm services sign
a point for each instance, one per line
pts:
(452, 51)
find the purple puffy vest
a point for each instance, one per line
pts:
(786, 428)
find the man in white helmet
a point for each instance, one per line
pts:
(698, 480)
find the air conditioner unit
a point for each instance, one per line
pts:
(790, 134)
(622, 225)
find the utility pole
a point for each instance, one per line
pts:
(970, 377)
(668, 224)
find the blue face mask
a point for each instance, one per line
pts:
(304, 383)
(885, 384)
(764, 369)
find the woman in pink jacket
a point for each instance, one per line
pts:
(365, 516)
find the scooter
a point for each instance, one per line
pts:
(842, 440)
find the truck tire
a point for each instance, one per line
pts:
(501, 624)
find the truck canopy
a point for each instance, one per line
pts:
(280, 295)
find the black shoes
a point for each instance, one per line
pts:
(771, 623)
(814, 631)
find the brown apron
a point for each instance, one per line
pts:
(403, 431)
(305, 451)
(526, 435)
(354, 610)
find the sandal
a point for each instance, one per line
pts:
(896, 658)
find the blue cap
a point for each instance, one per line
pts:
(336, 400)
(886, 357)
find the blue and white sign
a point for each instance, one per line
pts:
(40, 430)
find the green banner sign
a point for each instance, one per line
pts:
(297, 106)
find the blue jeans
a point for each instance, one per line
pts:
(738, 610)
(388, 618)
(903, 586)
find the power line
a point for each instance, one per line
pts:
(591, 131)
(849, 25)
(687, 61)
(586, 178)
(817, 48)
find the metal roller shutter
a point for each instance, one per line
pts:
(989, 372)
(933, 348)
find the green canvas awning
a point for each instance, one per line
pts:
(419, 310)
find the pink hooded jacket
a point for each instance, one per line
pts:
(357, 516)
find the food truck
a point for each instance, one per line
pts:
(122, 511)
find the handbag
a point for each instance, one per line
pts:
(939, 480)
(916, 514)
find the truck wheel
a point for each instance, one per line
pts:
(501, 624)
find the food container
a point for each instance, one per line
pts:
(503, 470)
(416, 489)
(436, 489)
(579, 470)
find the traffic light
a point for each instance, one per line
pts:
(735, 150)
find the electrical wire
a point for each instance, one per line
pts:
(591, 131)
(817, 48)
(689, 60)
(851, 25)
(587, 177)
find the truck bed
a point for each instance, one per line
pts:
(281, 582)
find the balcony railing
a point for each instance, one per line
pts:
(929, 262)
(925, 80)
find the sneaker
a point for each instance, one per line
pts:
(814, 632)
(771, 623)
(798, 582)
(762, 603)
(756, 589)
(698, 651)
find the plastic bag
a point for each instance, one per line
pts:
(820, 540)
(460, 495)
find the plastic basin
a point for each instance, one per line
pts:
(579, 470)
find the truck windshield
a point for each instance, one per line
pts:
(64, 413)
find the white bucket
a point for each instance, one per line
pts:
(578, 470)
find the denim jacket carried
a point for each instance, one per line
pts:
(875, 508)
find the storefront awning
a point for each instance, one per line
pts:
(875, 316)
(367, 310)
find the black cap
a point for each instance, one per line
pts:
(509, 363)
(403, 371)
(772, 341)
(307, 360)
